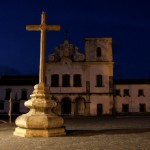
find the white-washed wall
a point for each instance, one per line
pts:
(58, 68)
(106, 102)
(133, 100)
(16, 90)
(100, 69)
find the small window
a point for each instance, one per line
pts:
(126, 92)
(142, 107)
(117, 92)
(140, 92)
(99, 81)
(55, 80)
(77, 80)
(66, 81)
(7, 95)
(24, 94)
(125, 107)
(99, 52)
(1, 106)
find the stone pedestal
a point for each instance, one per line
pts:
(40, 121)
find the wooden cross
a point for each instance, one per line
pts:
(43, 27)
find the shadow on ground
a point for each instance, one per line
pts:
(114, 131)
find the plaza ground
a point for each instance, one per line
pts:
(91, 133)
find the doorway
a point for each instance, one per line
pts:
(99, 109)
(66, 106)
(125, 108)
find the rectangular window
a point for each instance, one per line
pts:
(55, 80)
(1, 106)
(7, 95)
(77, 80)
(125, 107)
(99, 81)
(140, 92)
(117, 92)
(142, 107)
(126, 92)
(99, 52)
(24, 94)
(66, 81)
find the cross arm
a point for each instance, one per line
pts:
(53, 27)
(33, 27)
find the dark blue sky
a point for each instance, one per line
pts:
(126, 21)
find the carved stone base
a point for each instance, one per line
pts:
(22, 132)
(40, 121)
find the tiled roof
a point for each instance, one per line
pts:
(18, 80)
(132, 81)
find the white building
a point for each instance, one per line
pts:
(18, 88)
(82, 84)
(132, 96)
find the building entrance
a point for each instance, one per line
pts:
(66, 106)
(99, 109)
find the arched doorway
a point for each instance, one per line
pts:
(80, 106)
(66, 106)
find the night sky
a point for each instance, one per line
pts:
(126, 21)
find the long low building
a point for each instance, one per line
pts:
(132, 96)
(18, 90)
(129, 96)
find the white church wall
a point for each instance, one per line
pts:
(91, 44)
(100, 69)
(100, 99)
(71, 70)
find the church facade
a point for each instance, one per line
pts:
(82, 83)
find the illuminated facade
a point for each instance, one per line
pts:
(18, 88)
(132, 96)
(81, 84)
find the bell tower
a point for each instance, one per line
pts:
(99, 72)
(98, 49)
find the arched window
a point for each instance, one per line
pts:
(99, 52)
(66, 106)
